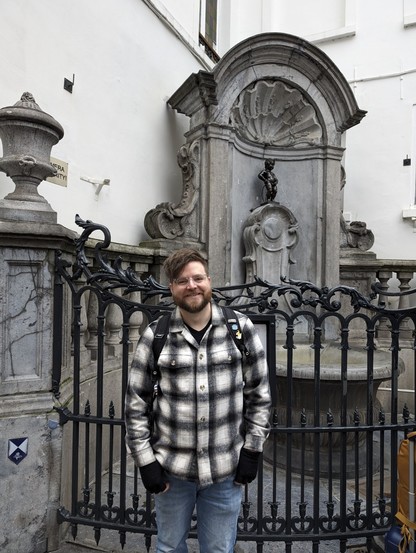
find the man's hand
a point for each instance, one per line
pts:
(154, 478)
(247, 466)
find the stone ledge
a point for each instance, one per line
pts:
(20, 405)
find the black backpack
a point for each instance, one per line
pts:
(161, 333)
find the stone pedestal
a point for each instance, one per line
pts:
(30, 447)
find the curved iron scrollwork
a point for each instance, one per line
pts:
(331, 522)
(273, 523)
(110, 275)
(302, 524)
(136, 515)
(99, 279)
(259, 296)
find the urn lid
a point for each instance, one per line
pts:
(26, 109)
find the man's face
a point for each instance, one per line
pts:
(191, 290)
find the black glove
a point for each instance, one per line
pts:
(153, 477)
(247, 466)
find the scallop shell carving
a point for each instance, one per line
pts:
(272, 113)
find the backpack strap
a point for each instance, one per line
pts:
(159, 339)
(233, 325)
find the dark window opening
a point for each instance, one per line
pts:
(208, 27)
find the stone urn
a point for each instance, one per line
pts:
(27, 134)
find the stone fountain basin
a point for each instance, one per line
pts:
(331, 395)
(330, 364)
(331, 392)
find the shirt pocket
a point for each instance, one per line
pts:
(176, 374)
(226, 369)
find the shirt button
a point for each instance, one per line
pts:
(202, 419)
(173, 362)
(201, 355)
(202, 387)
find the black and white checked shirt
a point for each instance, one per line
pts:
(211, 402)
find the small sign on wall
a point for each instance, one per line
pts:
(18, 449)
(61, 177)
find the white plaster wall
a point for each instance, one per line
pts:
(127, 62)
(381, 68)
(245, 19)
(117, 124)
(370, 44)
(303, 18)
(183, 14)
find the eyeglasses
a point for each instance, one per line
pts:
(196, 279)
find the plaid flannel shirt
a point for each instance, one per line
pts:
(211, 402)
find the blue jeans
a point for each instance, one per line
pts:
(217, 508)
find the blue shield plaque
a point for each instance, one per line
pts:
(18, 449)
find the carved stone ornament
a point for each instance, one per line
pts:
(168, 220)
(270, 234)
(28, 135)
(356, 235)
(273, 113)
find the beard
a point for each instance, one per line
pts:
(194, 303)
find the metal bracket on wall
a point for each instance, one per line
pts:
(410, 213)
(69, 85)
(97, 182)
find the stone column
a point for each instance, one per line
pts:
(30, 447)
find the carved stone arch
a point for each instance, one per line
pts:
(284, 56)
(209, 96)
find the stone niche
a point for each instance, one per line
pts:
(273, 96)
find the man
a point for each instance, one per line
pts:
(211, 414)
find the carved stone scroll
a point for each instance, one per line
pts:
(168, 220)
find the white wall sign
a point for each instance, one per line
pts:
(61, 177)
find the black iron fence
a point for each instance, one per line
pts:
(335, 358)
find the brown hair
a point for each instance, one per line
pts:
(175, 263)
